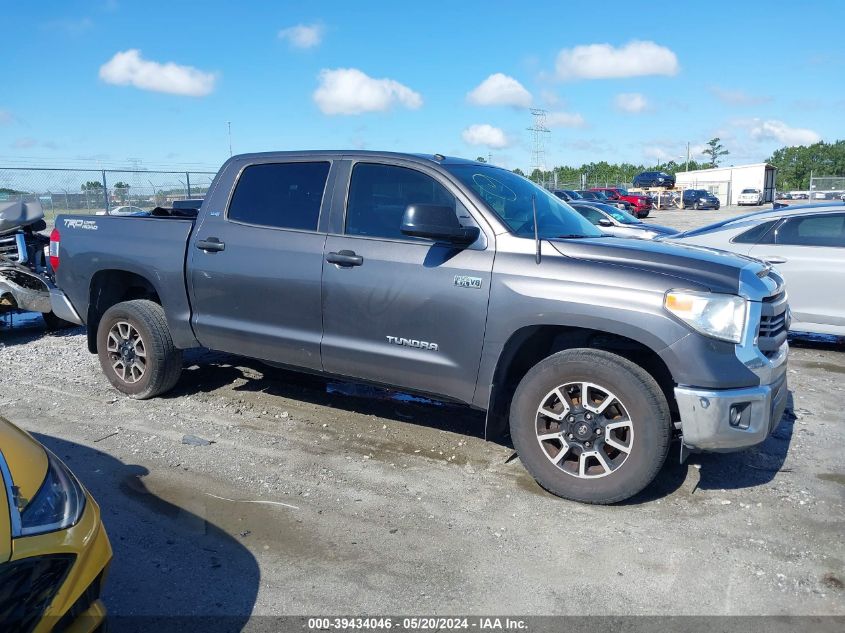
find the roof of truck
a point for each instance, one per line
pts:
(438, 159)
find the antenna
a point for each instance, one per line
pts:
(539, 134)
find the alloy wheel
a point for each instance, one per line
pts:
(584, 429)
(127, 352)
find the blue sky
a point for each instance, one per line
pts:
(88, 83)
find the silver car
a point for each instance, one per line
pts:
(617, 222)
(806, 244)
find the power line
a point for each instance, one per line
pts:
(539, 134)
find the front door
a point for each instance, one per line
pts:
(398, 310)
(254, 269)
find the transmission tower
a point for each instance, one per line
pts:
(539, 134)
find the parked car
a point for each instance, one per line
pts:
(125, 209)
(641, 204)
(807, 246)
(617, 222)
(600, 196)
(54, 551)
(567, 195)
(654, 179)
(592, 350)
(750, 196)
(699, 199)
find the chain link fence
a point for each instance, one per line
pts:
(99, 191)
(827, 187)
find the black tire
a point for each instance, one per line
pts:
(646, 407)
(695, 206)
(55, 323)
(163, 361)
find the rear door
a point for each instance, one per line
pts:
(255, 266)
(810, 252)
(403, 311)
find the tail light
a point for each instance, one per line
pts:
(55, 241)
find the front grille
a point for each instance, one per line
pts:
(9, 247)
(773, 324)
(27, 588)
(82, 604)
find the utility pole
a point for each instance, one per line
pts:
(539, 133)
(687, 155)
(229, 125)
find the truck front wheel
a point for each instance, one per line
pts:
(590, 425)
(136, 351)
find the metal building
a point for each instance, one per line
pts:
(727, 183)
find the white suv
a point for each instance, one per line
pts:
(750, 196)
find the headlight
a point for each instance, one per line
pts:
(57, 505)
(718, 315)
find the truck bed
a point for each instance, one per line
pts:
(152, 247)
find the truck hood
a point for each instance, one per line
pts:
(718, 271)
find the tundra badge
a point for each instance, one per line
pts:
(412, 342)
(467, 282)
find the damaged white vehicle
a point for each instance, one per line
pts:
(25, 273)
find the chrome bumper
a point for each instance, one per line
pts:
(27, 290)
(63, 308)
(730, 419)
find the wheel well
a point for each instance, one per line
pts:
(110, 287)
(529, 345)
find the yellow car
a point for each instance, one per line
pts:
(54, 552)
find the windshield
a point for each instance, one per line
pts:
(621, 216)
(510, 197)
(749, 191)
(621, 191)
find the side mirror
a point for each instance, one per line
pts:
(605, 222)
(436, 222)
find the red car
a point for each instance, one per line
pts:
(642, 204)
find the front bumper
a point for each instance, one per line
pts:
(76, 605)
(707, 423)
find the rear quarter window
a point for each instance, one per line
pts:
(756, 234)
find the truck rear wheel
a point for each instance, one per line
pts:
(136, 351)
(590, 425)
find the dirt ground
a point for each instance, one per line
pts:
(251, 490)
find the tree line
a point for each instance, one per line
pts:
(794, 165)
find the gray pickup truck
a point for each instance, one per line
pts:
(450, 278)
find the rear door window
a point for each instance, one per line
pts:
(813, 230)
(280, 195)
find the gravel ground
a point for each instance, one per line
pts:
(299, 495)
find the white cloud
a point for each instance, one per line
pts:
(350, 91)
(774, 130)
(565, 119)
(303, 35)
(500, 90)
(738, 97)
(487, 135)
(631, 102)
(6, 117)
(603, 61)
(129, 68)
